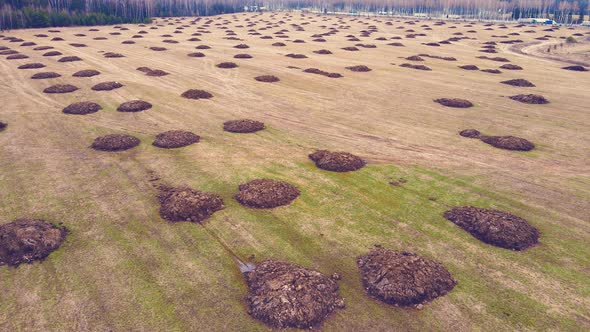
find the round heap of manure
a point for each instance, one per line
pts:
(227, 65)
(575, 68)
(17, 57)
(158, 49)
(45, 75)
(242, 46)
(359, 68)
(267, 78)
(196, 94)
(175, 139)
(403, 278)
(508, 143)
(469, 67)
(454, 102)
(52, 53)
(82, 108)
(35, 65)
(287, 295)
(29, 240)
(530, 99)
(418, 67)
(186, 204)
(242, 56)
(107, 86)
(492, 71)
(86, 73)
(322, 52)
(470, 133)
(115, 142)
(196, 55)
(498, 228)
(113, 55)
(415, 58)
(510, 66)
(3, 125)
(266, 193)
(156, 73)
(519, 82)
(69, 59)
(296, 56)
(60, 88)
(134, 106)
(243, 126)
(337, 161)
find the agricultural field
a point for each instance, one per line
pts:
(393, 93)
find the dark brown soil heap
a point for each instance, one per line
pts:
(359, 68)
(17, 57)
(243, 126)
(196, 55)
(418, 67)
(470, 133)
(29, 240)
(227, 65)
(45, 75)
(279, 44)
(266, 193)
(3, 125)
(186, 204)
(287, 295)
(492, 71)
(52, 53)
(69, 59)
(498, 59)
(508, 143)
(113, 55)
(196, 94)
(60, 88)
(202, 47)
(296, 56)
(78, 45)
(156, 73)
(42, 48)
(134, 106)
(115, 142)
(35, 65)
(86, 73)
(519, 82)
(469, 67)
(321, 72)
(350, 48)
(414, 58)
(498, 228)
(158, 49)
(322, 52)
(337, 161)
(267, 78)
(82, 108)
(8, 52)
(530, 99)
(402, 278)
(243, 56)
(175, 139)
(127, 42)
(575, 68)
(396, 44)
(107, 86)
(242, 46)
(454, 102)
(510, 66)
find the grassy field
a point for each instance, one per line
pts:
(123, 268)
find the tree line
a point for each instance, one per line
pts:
(15, 14)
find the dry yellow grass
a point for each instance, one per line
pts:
(123, 268)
